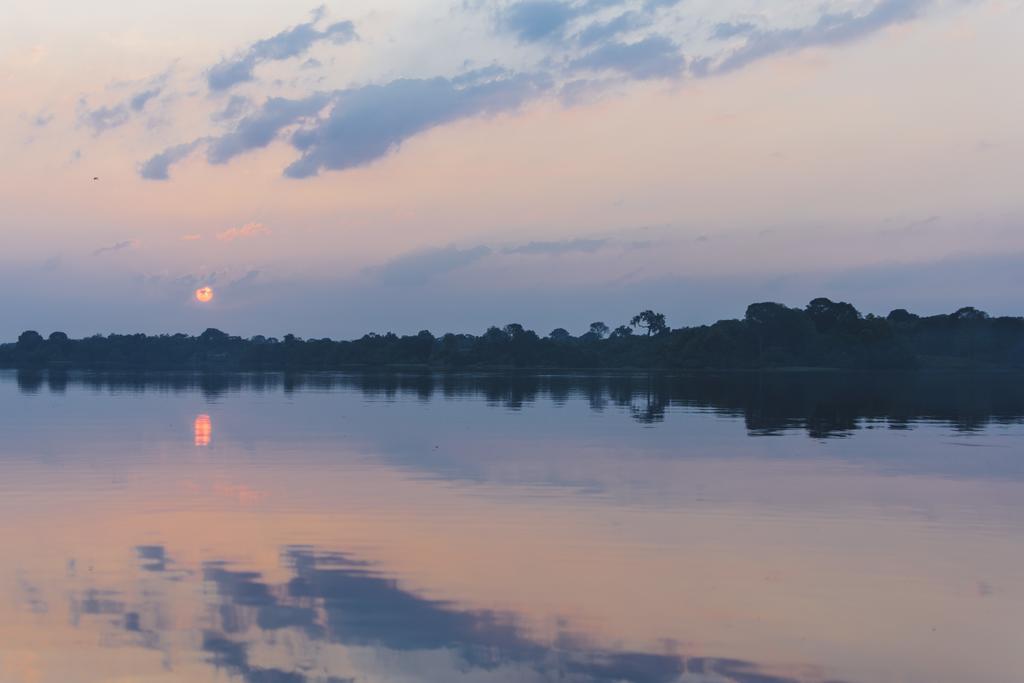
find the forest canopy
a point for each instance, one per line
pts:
(823, 334)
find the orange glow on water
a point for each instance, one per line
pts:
(204, 294)
(202, 428)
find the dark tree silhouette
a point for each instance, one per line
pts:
(29, 340)
(653, 323)
(213, 336)
(514, 330)
(970, 313)
(825, 334)
(902, 316)
(828, 315)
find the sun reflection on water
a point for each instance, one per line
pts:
(202, 428)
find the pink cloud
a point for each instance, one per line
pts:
(191, 238)
(247, 230)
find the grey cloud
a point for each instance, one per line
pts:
(652, 57)
(421, 266)
(261, 128)
(158, 166)
(153, 558)
(360, 607)
(247, 279)
(830, 29)
(592, 6)
(235, 107)
(138, 101)
(292, 42)
(318, 13)
(190, 280)
(42, 119)
(104, 118)
(367, 123)
(580, 90)
(557, 248)
(536, 20)
(654, 5)
(533, 21)
(119, 246)
(731, 29)
(601, 31)
(480, 75)
(344, 129)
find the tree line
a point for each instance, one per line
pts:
(823, 334)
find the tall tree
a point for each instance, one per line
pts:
(653, 323)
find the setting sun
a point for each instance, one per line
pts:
(204, 294)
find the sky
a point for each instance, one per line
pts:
(334, 169)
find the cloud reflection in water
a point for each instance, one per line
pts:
(287, 632)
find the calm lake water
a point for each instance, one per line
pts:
(330, 528)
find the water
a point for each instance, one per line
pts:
(328, 528)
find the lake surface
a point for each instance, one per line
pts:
(335, 528)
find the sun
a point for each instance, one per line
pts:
(204, 294)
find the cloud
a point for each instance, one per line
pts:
(652, 57)
(419, 267)
(481, 75)
(359, 606)
(119, 246)
(261, 128)
(585, 49)
(235, 107)
(536, 20)
(363, 124)
(600, 32)
(42, 119)
(731, 29)
(138, 101)
(581, 91)
(587, 246)
(106, 117)
(103, 118)
(245, 231)
(830, 29)
(157, 167)
(191, 237)
(249, 277)
(367, 123)
(292, 42)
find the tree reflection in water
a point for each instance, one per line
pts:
(824, 404)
